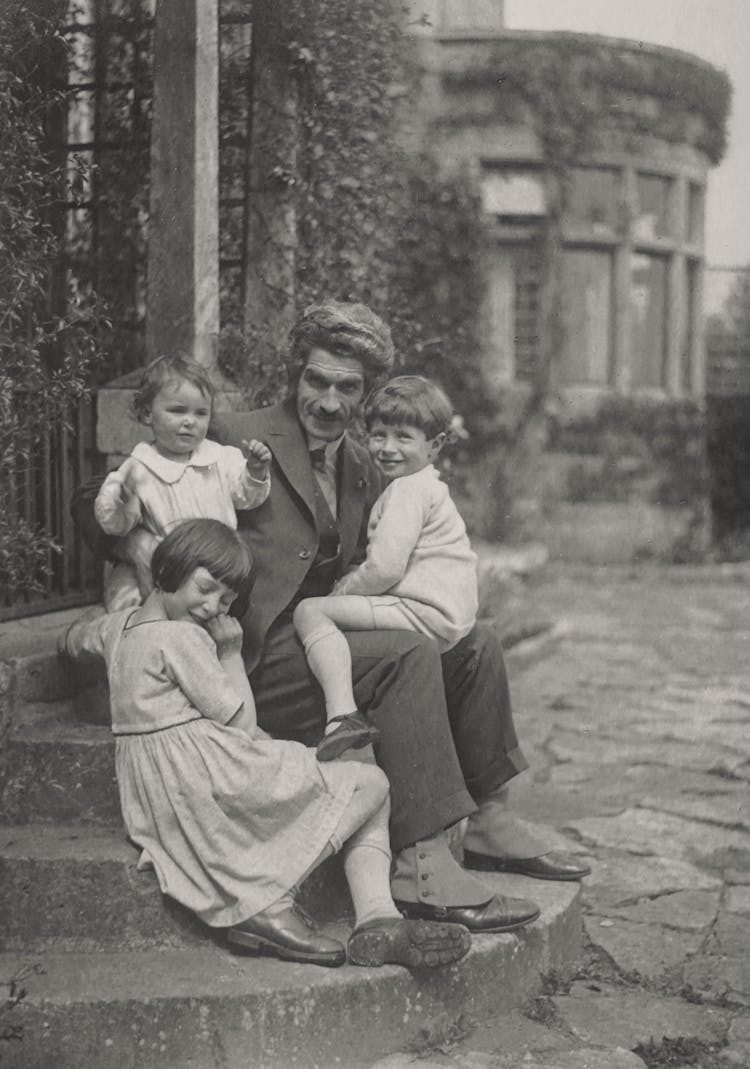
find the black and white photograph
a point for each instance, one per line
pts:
(374, 534)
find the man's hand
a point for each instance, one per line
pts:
(258, 457)
(226, 632)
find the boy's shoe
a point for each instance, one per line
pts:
(417, 944)
(285, 935)
(352, 733)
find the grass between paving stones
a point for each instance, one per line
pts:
(10, 1030)
(681, 1053)
(596, 970)
(442, 1036)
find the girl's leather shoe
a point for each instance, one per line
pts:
(284, 935)
(416, 944)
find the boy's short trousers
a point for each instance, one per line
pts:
(390, 613)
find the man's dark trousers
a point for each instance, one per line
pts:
(439, 765)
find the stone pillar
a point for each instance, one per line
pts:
(182, 309)
(271, 235)
(183, 236)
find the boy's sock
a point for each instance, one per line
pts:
(330, 661)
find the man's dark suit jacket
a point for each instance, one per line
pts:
(282, 533)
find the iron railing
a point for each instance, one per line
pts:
(36, 488)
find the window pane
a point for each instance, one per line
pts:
(81, 106)
(691, 290)
(595, 198)
(696, 213)
(511, 314)
(512, 191)
(526, 310)
(653, 217)
(81, 68)
(648, 319)
(587, 311)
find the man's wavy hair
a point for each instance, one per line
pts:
(343, 329)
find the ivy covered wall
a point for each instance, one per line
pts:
(341, 206)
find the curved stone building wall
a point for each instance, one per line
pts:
(631, 225)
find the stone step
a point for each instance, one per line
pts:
(76, 886)
(30, 668)
(56, 766)
(205, 1007)
(57, 762)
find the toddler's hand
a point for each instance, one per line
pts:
(139, 549)
(226, 631)
(258, 457)
(126, 480)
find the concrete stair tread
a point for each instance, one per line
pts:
(34, 635)
(69, 842)
(56, 721)
(213, 969)
(203, 1006)
(73, 887)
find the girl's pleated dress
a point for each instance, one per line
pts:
(228, 822)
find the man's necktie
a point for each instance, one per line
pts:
(318, 458)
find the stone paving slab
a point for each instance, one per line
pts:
(580, 1058)
(642, 951)
(627, 1018)
(641, 831)
(639, 730)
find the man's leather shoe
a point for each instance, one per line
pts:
(285, 936)
(414, 943)
(500, 914)
(552, 866)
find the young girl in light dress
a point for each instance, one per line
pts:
(231, 819)
(181, 475)
(420, 573)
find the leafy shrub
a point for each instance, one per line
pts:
(46, 334)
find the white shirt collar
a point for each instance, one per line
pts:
(171, 471)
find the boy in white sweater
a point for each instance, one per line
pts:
(420, 571)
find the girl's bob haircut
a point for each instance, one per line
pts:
(208, 544)
(166, 369)
(413, 401)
